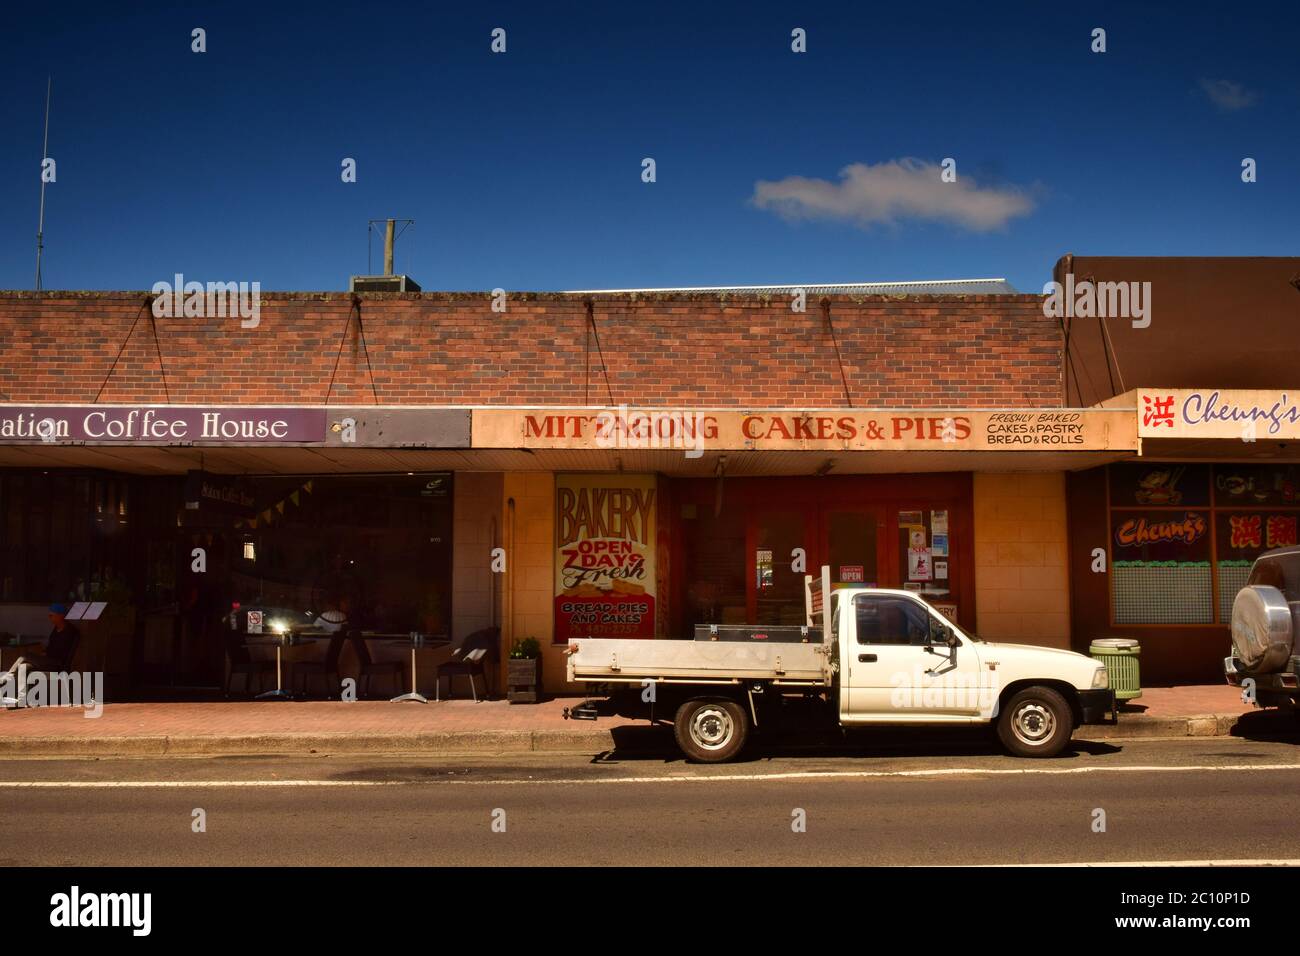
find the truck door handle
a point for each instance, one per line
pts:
(867, 658)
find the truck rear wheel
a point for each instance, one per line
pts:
(1035, 722)
(711, 731)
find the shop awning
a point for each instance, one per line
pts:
(173, 439)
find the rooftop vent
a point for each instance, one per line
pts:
(386, 283)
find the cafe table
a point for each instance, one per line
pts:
(279, 642)
(17, 642)
(416, 641)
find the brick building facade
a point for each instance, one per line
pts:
(452, 349)
(907, 441)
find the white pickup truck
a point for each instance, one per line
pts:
(879, 657)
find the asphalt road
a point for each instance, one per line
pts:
(1217, 799)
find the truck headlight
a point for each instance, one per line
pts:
(1100, 679)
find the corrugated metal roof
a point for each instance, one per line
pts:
(925, 287)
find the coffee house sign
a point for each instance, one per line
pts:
(161, 424)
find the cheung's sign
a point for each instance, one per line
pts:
(1213, 413)
(161, 424)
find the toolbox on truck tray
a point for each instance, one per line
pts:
(781, 634)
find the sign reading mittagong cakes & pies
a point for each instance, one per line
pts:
(604, 556)
(695, 431)
(161, 424)
(1219, 413)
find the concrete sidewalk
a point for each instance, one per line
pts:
(487, 728)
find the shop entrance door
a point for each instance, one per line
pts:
(775, 590)
(853, 543)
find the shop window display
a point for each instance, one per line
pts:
(1184, 536)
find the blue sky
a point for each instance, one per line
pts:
(523, 169)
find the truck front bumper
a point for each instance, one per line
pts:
(1098, 706)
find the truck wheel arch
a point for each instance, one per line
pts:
(1064, 688)
(707, 743)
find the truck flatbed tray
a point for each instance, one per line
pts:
(604, 659)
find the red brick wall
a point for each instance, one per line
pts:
(440, 348)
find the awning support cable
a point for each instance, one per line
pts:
(157, 344)
(593, 331)
(361, 335)
(830, 326)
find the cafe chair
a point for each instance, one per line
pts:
(241, 662)
(368, 666)
(475, 655)
(327, 667)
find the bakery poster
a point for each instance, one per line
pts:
(604, 556)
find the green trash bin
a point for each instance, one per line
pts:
(1120, 655)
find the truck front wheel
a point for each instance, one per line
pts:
(1035, 722)
(711, 731)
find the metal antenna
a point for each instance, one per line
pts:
(45, 149)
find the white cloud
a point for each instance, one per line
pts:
(891, 191)
(1227, 95)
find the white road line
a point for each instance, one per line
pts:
(950, 772)
(1160, 863)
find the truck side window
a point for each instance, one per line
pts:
(884, 619)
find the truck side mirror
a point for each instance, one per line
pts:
(943, 635)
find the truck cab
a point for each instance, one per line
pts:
(902, 662)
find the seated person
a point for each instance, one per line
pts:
(59, 646)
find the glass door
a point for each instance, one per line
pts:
(775, 588)
(852, 546)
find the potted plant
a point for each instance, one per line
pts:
(524, 674)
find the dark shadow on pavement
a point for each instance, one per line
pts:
(647, 742)
(1269, 724)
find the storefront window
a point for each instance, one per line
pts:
(1183, 558)
(740, 548)
(925, 549)
(376, 549)
(1254, 515)
(1160, 573)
